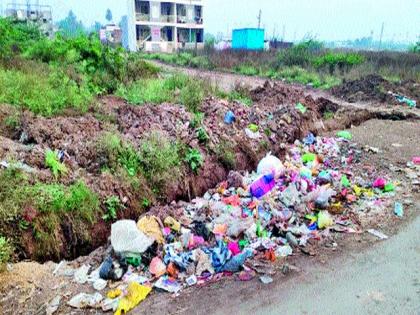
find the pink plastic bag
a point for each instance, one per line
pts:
(416, 160)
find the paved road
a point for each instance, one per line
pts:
(382, 280)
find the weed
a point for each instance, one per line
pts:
(191, 96)
(194, 159)
(159, 159)
(129, 160)
(226, 154)
(6, 252)
(146, 203)
(202, 135)
(52, 161)
(328, 115)
(46, 93)
(246, 69)
(197, 120)
(13, 121)
(117, 153)
(112, 205)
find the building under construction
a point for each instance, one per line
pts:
(33, 12)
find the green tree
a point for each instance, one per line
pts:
(108, 15)
(70, 26)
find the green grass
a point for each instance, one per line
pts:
(52, 205)
(118, 153)
(177, 88)
(46, 93)
(160, 160)
(301, 75)
(113, 205)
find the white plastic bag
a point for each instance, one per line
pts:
(126, 237)
(270, 164)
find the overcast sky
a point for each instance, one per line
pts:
(324, 19)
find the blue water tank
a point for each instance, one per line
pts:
(248, 38)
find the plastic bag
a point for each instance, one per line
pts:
(262, 185)
(236, 262)
(126, 237)
(150, 226)
(270, 164)
(324, 219)
(83, 300)
(136, 294)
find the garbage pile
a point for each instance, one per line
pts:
(240, 227)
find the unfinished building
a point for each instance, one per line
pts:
(166, 26)
(32, 12)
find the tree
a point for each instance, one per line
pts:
(97, 26)
(108, 15)
(70, 26)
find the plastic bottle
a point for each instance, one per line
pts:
(262, 185)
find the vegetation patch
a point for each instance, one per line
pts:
(160, 160)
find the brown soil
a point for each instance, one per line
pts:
(29, 287)
(374, 88)
(273, 112)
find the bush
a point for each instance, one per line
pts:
(342, 61)
(301, 54)
(6, 252)
(112, 205)
(15, 37)
(159, 159)
(194, 159)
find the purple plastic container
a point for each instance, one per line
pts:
(262, 185)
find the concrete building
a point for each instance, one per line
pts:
(165, 26)
(32, 12)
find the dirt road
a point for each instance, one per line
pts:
(228, 81)
(364, 275)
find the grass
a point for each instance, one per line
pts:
(113, 205)
(226, 154)
(318, 66)
(160, 160)
(116, 153)
(46, 92)
(177, 88)
(44, 208)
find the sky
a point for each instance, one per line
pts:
(326, 20)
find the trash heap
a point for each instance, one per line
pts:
(240, 227)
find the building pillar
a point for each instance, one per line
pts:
(129, 30)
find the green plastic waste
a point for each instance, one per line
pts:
(345, 135)
(300, 107)
(308, 157)
(389, 187)
(133, 260)
(253, 127)
(345, 181)
(243, 244)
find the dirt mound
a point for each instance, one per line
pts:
(374, 88)
(268, 125)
